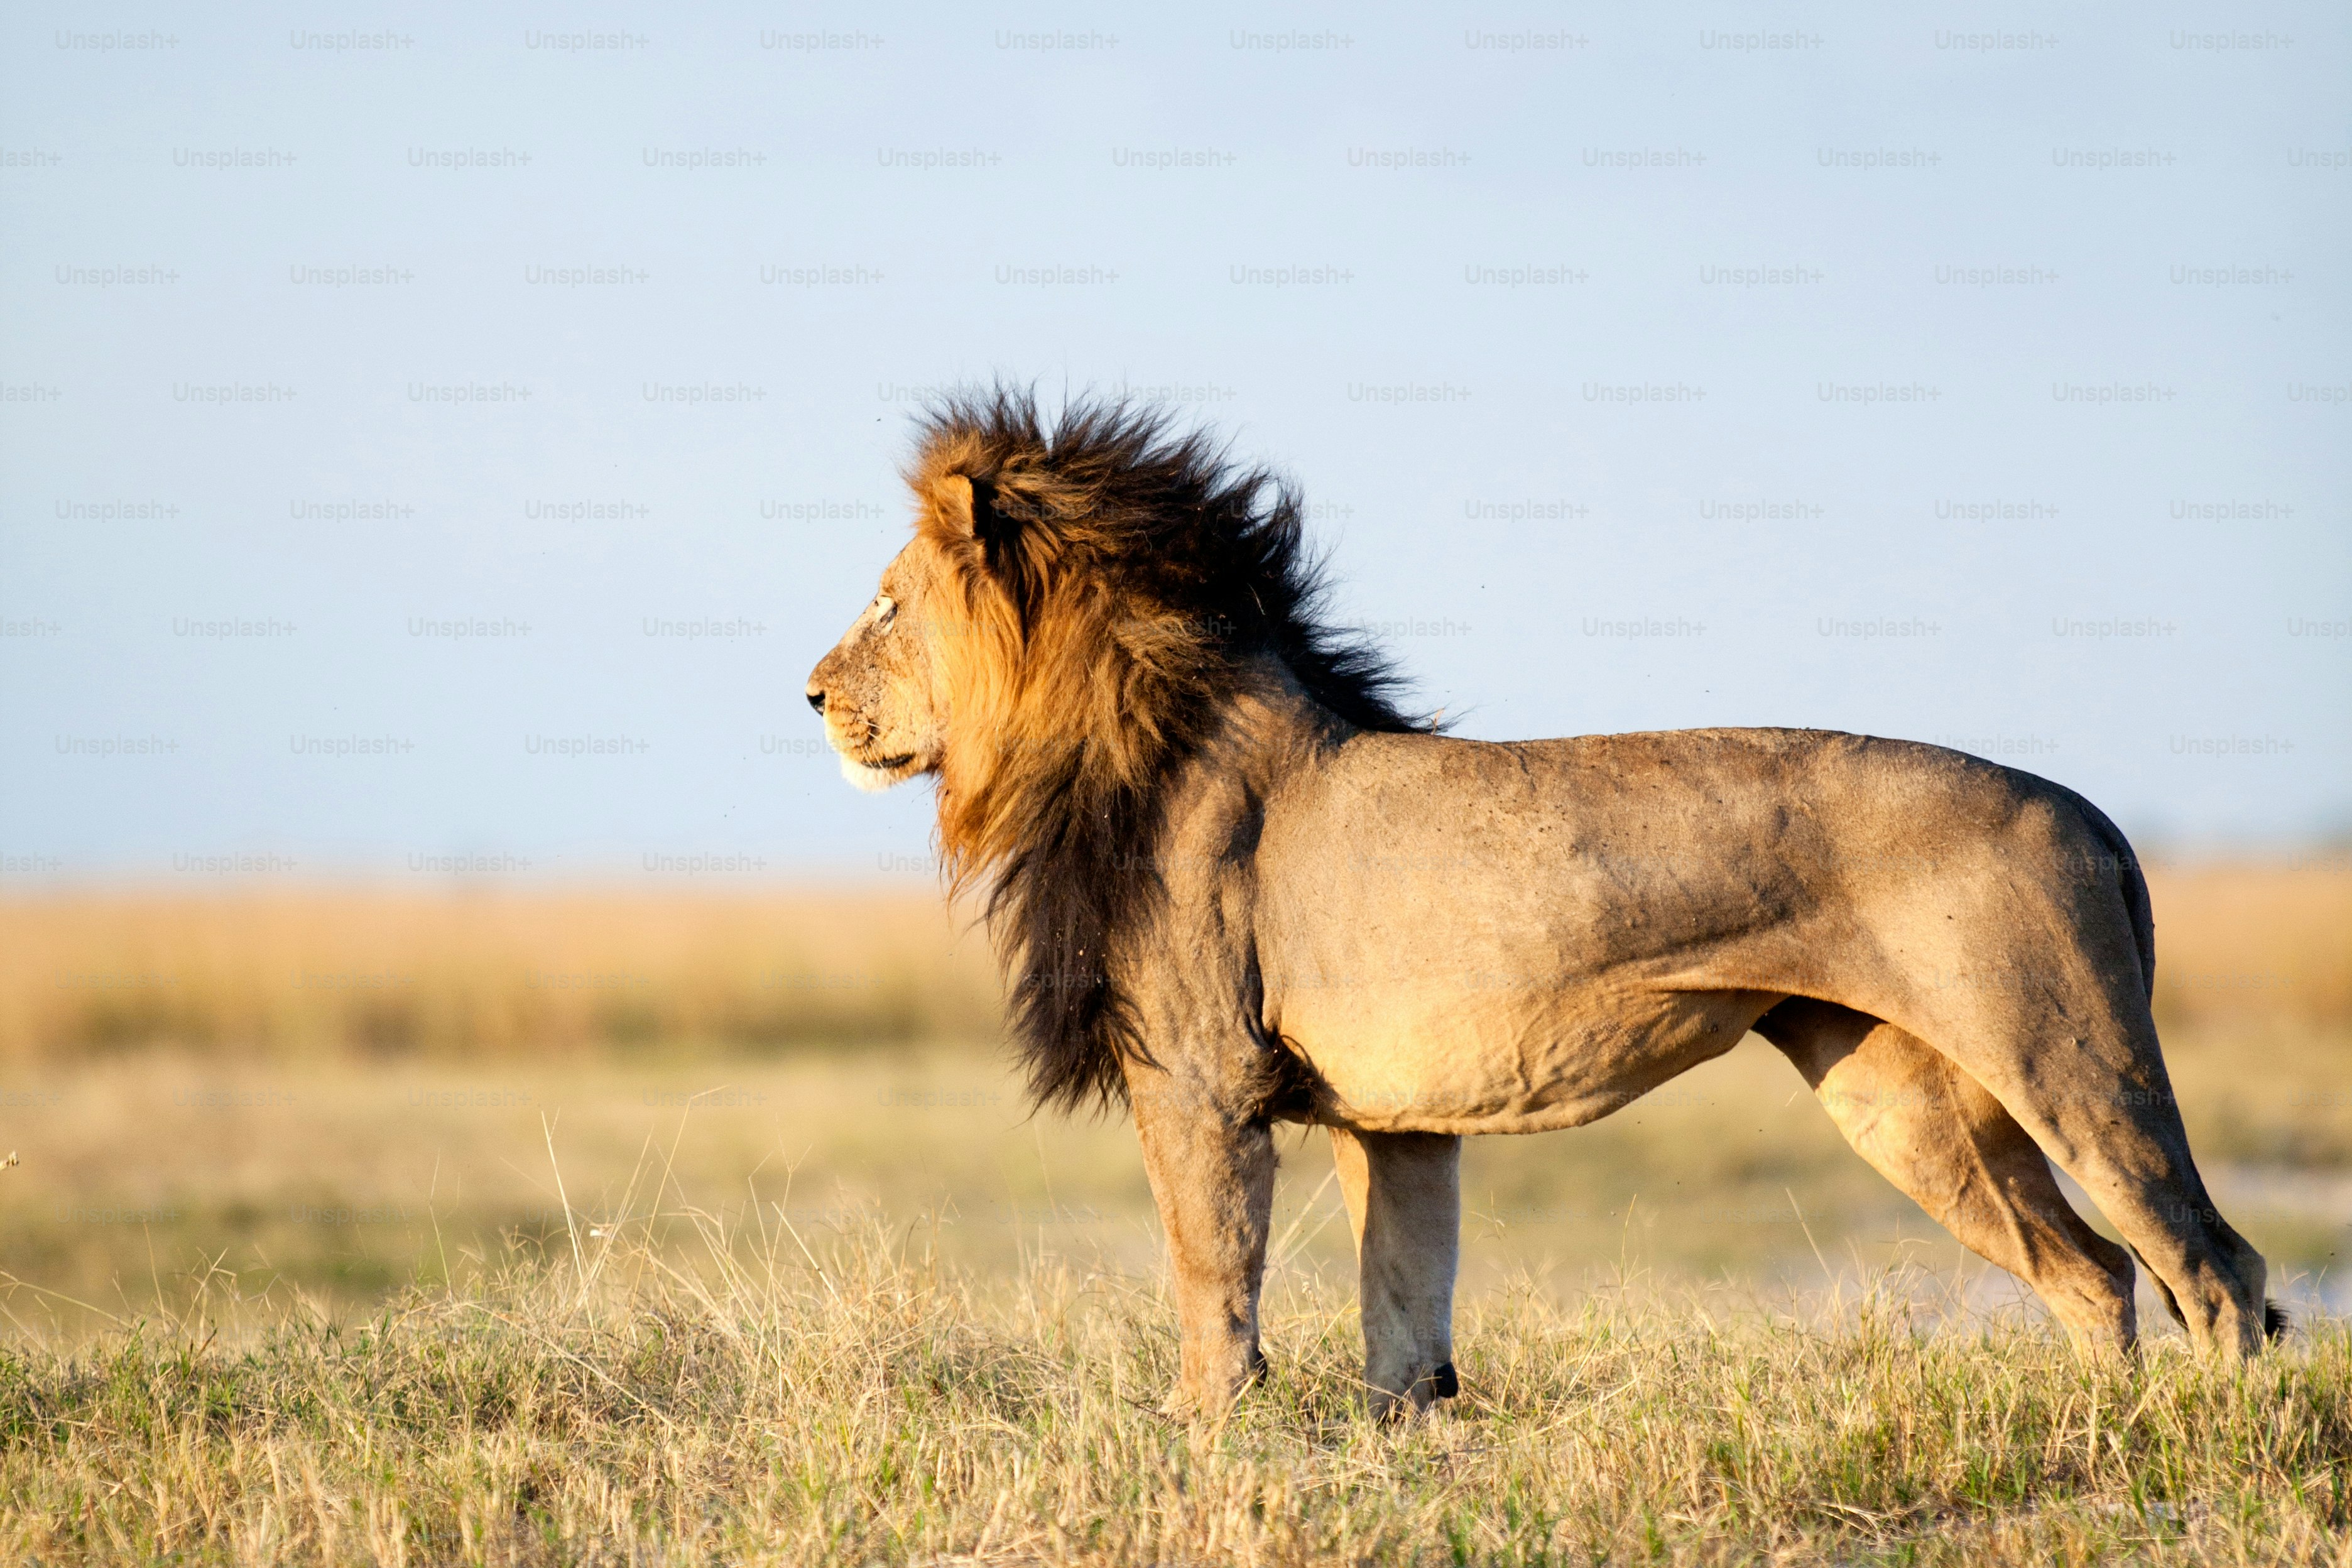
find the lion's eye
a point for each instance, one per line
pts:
(886, 610)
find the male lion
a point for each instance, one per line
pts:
(1233, 885)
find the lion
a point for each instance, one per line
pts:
(1234, 884)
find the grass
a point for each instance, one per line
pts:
(289, 1273)
(343, 1176)
(280, 973)
(799, 1397)
(2268, 944)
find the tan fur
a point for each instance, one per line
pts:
(1409, 938)
(1403, 1193)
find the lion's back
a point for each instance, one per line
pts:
(1759, 808)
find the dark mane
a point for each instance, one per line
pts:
(1145, 571)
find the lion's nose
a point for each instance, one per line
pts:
(816, 698)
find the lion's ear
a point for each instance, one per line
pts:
(952, 499)
(968, 510)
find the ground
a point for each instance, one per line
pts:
(856, 1401)
(496, 1232)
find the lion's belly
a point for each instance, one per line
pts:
(1501, 1057)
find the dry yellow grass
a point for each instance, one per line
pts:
(2254, 943)
(282, 971)
(293, 1149)
(351, 1177)
(797, 1402)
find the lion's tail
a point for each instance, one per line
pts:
(2130, 881)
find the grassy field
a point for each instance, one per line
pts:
(569, 1226)
(281, 974)
(857, 1401)
(344, 1179)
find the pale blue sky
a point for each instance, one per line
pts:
(1494, 225)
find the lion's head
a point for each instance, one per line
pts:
(1080, 603)
(879, 689)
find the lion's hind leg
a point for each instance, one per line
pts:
(1934, 1131)
(2075, 1059)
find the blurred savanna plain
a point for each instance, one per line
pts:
(712, 1225)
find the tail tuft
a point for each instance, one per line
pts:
(2275, 1322)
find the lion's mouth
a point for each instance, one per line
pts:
(876, 774)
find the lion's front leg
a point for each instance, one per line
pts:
(1405, 1199)
(1213, 1177)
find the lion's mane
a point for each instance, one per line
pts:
(1119, 581)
